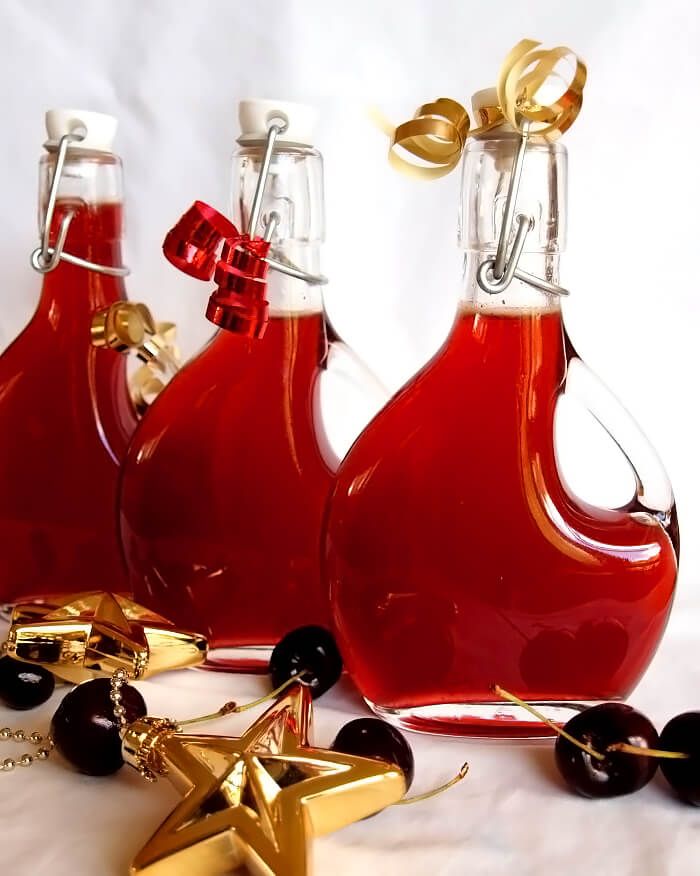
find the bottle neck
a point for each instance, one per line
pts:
(91, 192)
(294, 191)
(539, 193)
(289, 295)
(519, 296)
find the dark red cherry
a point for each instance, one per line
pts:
(22, 685)
(309, 651)
(600, 727)
(682, 733)
(85, 730)
(370, 737)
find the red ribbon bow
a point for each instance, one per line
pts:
(206, 245)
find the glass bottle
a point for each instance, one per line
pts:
(456, 555)
(226, 480)
(64, 404)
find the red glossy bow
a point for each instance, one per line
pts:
(206, 245)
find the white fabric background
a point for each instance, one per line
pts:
(172, 73)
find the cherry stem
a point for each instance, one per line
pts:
(625, 747)
(506, 695)
(295, 679)
(646, 752)
(463, 770)
(231, 708)
(226, 709)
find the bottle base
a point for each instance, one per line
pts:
(486, 720)
(248, 659)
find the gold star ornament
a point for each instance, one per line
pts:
(89, 635)
(253, 803)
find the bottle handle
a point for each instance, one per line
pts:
(653, 492)
(356, 374)
(351, 395)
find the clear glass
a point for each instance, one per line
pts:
(456, 554)
(227, 478)
(88, 177)
(65, 406)
(294, 190)
(349, 393)
(486, 174)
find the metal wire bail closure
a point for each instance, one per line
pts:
(45, 258)
(496, 274)
(282, 265)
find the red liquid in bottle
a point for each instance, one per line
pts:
(224, 489)
(457, 557)
(67, 418)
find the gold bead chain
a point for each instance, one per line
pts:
(119, 678)
(7, 734)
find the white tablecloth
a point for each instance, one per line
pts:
(511, 815)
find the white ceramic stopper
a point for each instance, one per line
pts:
(256, 116)
(99, 129)
(485, 97)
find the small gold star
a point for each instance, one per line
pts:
(255, 802)
(89, 635)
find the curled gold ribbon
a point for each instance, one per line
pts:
(436, 134)
(161, 358)
(438, 131)
(129, 326)
(523, 73)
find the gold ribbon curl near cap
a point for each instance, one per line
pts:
(438, 132)
(524, 71)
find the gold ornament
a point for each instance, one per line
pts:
(90, 635)
(438, 132)
(254, 802)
